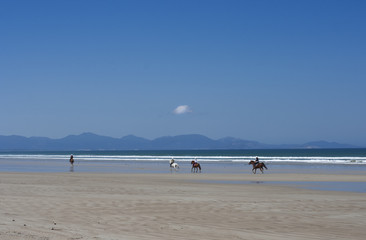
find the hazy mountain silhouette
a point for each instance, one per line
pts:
(90, 141)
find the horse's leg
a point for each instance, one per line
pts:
(261, 169)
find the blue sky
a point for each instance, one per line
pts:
(270, 71)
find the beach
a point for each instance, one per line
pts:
(75, 205)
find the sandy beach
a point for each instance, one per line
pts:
(177, 206)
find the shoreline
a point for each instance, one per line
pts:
(247, 176)
(108, 206)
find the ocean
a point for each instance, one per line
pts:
(212, 161)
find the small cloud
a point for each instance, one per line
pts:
(182, 109)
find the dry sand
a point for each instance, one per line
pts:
(176, 206)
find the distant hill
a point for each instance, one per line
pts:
(325, 144)
(90, 141)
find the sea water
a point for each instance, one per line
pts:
(212, 161)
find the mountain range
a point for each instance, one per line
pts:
(90, 141)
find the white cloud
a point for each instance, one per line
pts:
(182, 109)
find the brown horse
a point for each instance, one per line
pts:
(195, 167)
(258, 165)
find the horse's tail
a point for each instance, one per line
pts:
(199, 166)
(264, 165)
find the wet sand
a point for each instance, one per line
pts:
(177, 206)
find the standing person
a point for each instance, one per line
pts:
(72, 160)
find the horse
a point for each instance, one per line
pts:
(174, 166)
(195, 167)
(259, 165)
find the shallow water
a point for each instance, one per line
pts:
(143, 166)
(44, 164)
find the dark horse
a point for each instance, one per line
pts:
(259, 165)
(195, 167)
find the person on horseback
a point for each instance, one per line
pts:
(195, 166)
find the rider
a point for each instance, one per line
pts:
(256, 160)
